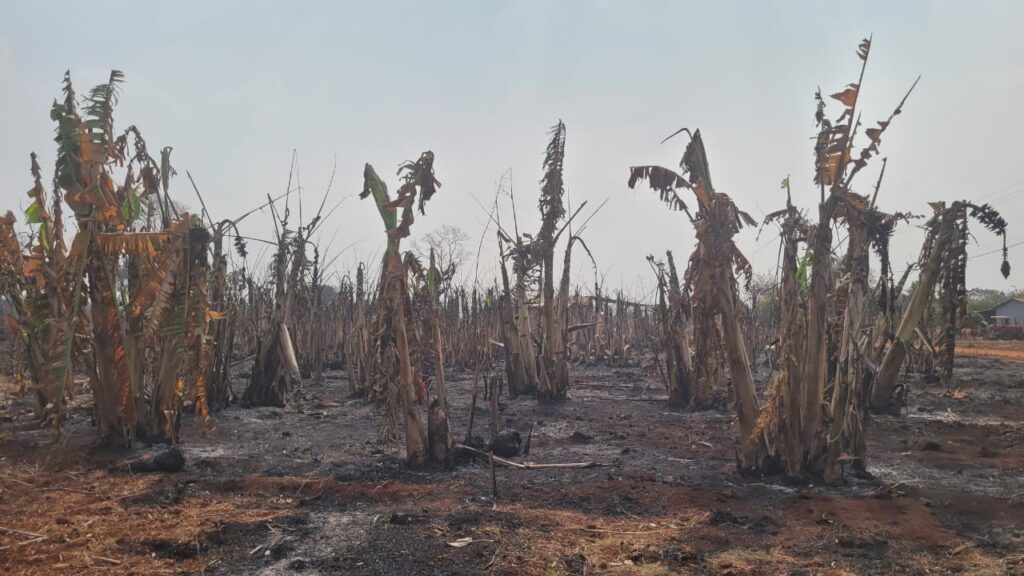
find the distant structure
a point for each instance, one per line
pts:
(1009, 313)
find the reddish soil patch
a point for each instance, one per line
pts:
(1006, 350)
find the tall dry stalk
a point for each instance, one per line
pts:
(943, 258)
(712, 275)
(393, 381)
(553, 376)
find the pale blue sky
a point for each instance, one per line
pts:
(234, 87)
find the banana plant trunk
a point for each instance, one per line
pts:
(116, 410)
(516, 372)
(218, 381)
(845, 431)
(780, 421)
(814, 369)
(744, 395)
(677, 348)
(553, 386)
(888, 372)
(439, 432)
(394, 302)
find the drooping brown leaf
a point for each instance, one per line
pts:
(421, 174)
(864, 49)
(848, 96)
(744, 218)
(154, 295)
(133, 243)
(664, 181)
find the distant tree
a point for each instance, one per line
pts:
(449, 245)
(981, 299)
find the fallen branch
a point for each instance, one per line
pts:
(598, 530)
(22, 532)
(528, 465)
(24, 543)
(22, 482)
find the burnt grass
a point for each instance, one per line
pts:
(312, 490)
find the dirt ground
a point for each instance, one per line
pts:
(1008, 350)
(311, 491)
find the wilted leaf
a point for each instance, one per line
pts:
(849, 96)
(864, 49)
(663, 180)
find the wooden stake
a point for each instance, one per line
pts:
(493, 387)
(494, 481)
(472, 416)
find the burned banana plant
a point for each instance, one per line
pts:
(942, 266)
(817, 404)
(672, 312)
(127, 301)
(711, 279)
(44, 288)
(275, 374)
(223, 299)
(538, 364)
(517, 330)
(431, 283)
(357, 338)
(391, 371)
(553, 375)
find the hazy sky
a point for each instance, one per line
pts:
(235, 87)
